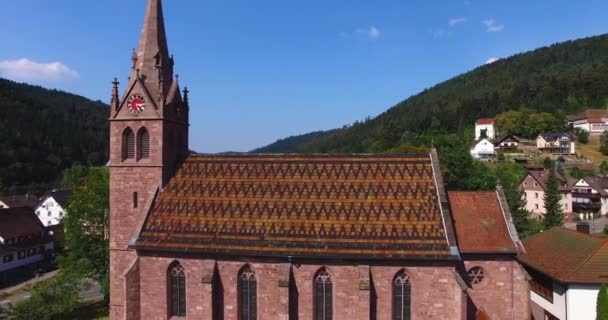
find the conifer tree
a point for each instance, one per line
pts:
(602, 304)
(553, 209)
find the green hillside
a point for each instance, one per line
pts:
(45, 131)
(560, 79)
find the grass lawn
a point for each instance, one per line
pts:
(591, 150)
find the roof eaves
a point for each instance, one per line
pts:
(446, 215)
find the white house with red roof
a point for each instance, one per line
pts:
(485, 128)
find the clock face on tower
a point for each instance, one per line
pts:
(136, 104)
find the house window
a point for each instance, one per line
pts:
(402, 297)
(525, 184)
(536, 206)
(476, 275)
(323, 296)
(8, 258)
(143, 144)
(247, 294)
(177, 290)
(535, 184)
(536, 195)
(21, 255)
(128, 144)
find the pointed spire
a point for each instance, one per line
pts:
(152, 57)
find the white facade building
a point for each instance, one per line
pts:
(564, 282)
(52, 207)
(483, 149)
(487, 126)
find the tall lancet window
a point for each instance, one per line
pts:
(323, 296)
(402, 297)
(247, 290)
(128, 144)
(143, 144)
(176, 285)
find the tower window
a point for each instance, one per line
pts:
(402, 297)
(247, 294)
(177, 290)
(143, 141)
(323, 296)
(128, 144)
(135, 200)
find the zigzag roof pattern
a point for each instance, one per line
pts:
(315, 206)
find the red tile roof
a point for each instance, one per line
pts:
(485, 121)
(29, 201)
(589, 114)
(568, 256)
(358, 206)
(480, 223)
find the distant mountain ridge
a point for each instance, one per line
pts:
(44, 131)
(560, 79)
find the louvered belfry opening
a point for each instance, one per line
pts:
(128, 144)
(323, 296)
(143, 142)
(176, 277)
(247, 288)
(402, 297)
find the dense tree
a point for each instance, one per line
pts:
(510, 176)
(604, 143)
(44, 132)
(602, 304)
(604, 167)
(582, 136)
(86, 226)
(553, 209)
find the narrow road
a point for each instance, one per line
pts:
(597, 225)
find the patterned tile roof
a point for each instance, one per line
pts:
(568, 256)
(358, 206)
(480, 223)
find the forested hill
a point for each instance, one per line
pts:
(45, 131)
(560, 79)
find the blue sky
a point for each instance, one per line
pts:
(266, 69)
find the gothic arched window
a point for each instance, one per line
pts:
(176, 278)
(323, 296)
(143, 144)
(402, 296)
(247, 288)
(128, 144)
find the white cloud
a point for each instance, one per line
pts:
(491, 26)
(492, 60)
(25, 69)
(372, 32)
(439, 33)
(456, 21)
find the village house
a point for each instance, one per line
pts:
(482, 149)
(507, 143)
(276, 236)
(534, 186)
(590, 195)
(24, 244)
(52, 207)
(594, 121)
(556, 143)
(567, 269)
(485, 128)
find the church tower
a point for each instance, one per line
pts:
(148, 141)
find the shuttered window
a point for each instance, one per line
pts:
(128, 144)
(323, 296)
(143, 140)
(402, 297)
(247, 294)
(177, 290)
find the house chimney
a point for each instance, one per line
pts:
(583, 227)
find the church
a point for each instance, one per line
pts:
(289, 236)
